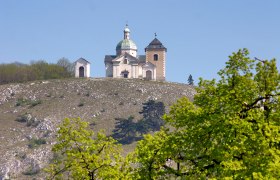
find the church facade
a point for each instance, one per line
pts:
(128, 64)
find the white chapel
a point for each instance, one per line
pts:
(82, 68)
(128, 64)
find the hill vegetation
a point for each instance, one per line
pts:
(37, 70)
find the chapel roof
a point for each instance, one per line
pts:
(141, 58)
(82, 59)
(155, 44)
(109, 58)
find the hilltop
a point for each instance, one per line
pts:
(30, 113)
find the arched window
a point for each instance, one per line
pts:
(125, 61)
(155, 57)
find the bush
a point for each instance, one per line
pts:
(35, 102)
(33, 143)
(33, 122)
(31, 171)
(82, 103)
(21, 101)
(24, 101)
(24, 118)
(87, 94)
(28, 119)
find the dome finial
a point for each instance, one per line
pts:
(155, 35)
(126, 32)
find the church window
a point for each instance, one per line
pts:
(155, 57)
(125, 61)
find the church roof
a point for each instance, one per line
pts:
(82, 59)
(155, 44)
(149, 64)
(109, 58)
(140, 59)
(126, 55)
(126, 44)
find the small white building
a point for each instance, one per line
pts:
(82, 68)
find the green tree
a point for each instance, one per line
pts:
(152, 115)
(80, 155)
(190, 80)
(152, 155)
(125, 130)
(230, 131)
(69, 67)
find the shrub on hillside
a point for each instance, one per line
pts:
(33, 143)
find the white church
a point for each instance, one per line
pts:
(128, 64)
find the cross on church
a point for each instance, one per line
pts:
(155, 34)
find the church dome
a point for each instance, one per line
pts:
(126, 44)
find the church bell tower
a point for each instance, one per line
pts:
(156, 54)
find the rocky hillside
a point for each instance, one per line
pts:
(30, 113)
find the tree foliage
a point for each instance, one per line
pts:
(190, 80)
(127, 130)
(37, 70)
(230, 131)
(80, 155)
(152, 114)
(67, 65)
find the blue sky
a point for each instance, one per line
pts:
(199, 34)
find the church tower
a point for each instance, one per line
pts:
(155, 54)
(126, 45)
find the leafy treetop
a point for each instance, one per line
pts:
(230, 131)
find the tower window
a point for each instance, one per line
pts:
(125, 61)
(155, 57)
